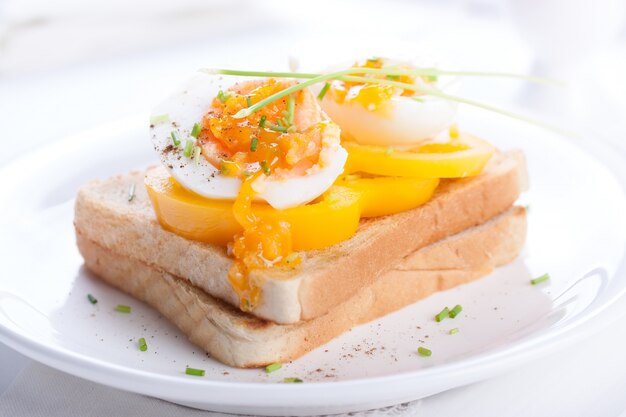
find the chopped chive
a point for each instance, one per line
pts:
(373, 59)
(430, 78)
(388, 151)
(265, 168)
(253, 144)
(442, 315)
(248, 101)
(277, 128)
(195, 131)
(392, 77)
(323, 92)
(454, 331)
(292, 380)
(194, 372)
(131, 192)
(273, 367)
(121, 308)
(262, 121)
(159, 118)
(423, 351)
(92, 299)
(175, 139)
(291, 109)
(455, 311)
(196, 154)
(223, 95)
(143, 346)
(188, 148)
(540, 279)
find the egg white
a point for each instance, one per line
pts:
(187, 106)
(404, 123)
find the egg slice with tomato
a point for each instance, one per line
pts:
(290, 145)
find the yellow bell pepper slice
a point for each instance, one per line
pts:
(462, 157)
(331, 219)
(382, 196)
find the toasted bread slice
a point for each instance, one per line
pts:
(242, 340)
(326, 277)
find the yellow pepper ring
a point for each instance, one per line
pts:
(332, 219)
(462, 157)
(382, 196)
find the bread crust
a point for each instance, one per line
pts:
(242, 340)
(326, 278)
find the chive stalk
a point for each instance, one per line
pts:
(273, 367)
(323, 91)
(455, 311)
(159, 118)
(266, 169)
(188, 148)
(194, 371)
(175, 139)
(442, 314)
(292, 380)
(540, 279)
(92, 299)
(121, 308)
(253, 144)
(223, 96)
(195, 131)
(262, 121)
(454, 331)
(422, 351)
(143, 346)
(196, 154)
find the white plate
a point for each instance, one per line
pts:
(577, 233)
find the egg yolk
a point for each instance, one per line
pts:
(374, 97)
(282, 139)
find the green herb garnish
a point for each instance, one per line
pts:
(262, 121)
(292, 380)
(92, 299)
(195, 131)
(454, 331)
(323, 92)
(194, 372)
(455, 311)
(248, 101)
(175, 139)
(291, 110)
(159, 118)
(540, 279)
(393, 77)
(188, 148)
(121, 308)
(253, 144)
(278, 128)
(224, 95)
(143, 346)
(445, 313)
(265, 168)
(273, 367)
(423, 351)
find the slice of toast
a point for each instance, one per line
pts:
(326, 277)
(242, 340)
